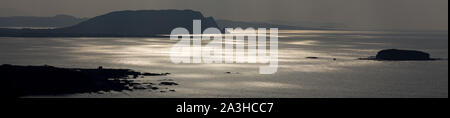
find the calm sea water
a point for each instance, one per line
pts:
(296, 76)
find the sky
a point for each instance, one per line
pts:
(364, 14)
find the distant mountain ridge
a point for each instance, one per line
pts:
(33, 21)
(141, 23)
(235, 24)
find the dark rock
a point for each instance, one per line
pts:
(154, 88)
(399, 55)
(168, 83)
(232, 73)
(312, 57)
(154, 74)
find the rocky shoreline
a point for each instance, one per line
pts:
(20, 81)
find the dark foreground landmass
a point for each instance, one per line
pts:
(19, 81)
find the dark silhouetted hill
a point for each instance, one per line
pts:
(143, 23)
(32, 21)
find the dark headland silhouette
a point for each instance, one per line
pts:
(141, 23)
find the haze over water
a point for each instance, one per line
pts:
(296, 76)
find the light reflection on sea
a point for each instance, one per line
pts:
(296, 76)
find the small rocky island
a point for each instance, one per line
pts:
(20, 81)
(400, 55)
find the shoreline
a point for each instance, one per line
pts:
(48, 80)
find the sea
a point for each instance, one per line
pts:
(335, 73)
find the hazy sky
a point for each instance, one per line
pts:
(384, 14)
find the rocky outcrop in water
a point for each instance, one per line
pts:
(400, 55)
